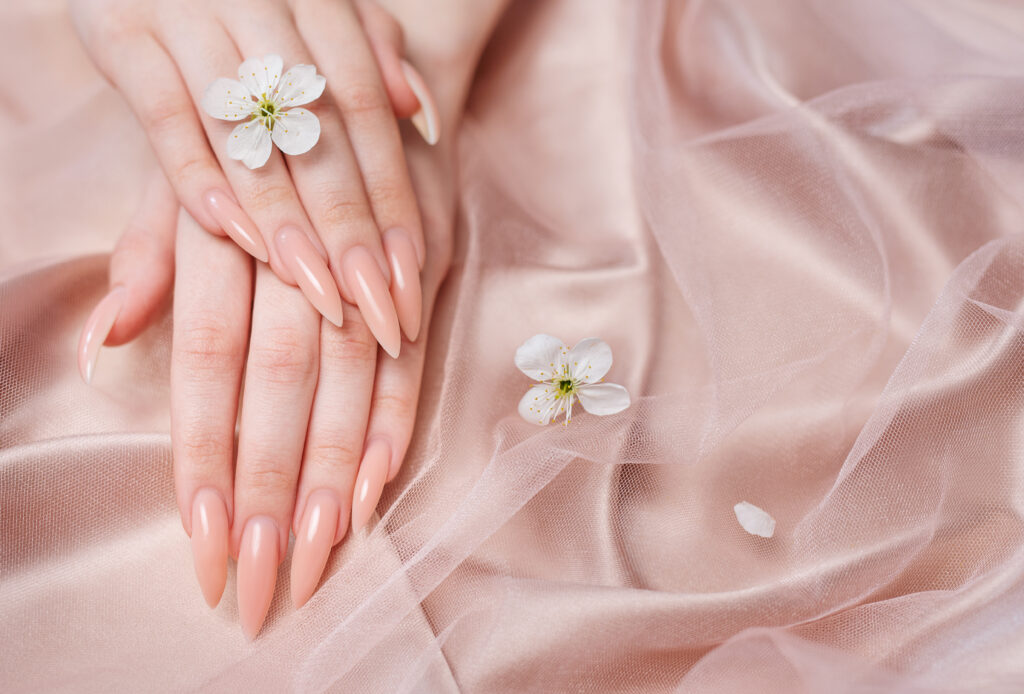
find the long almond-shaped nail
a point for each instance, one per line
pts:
(405, 281)
(96, 329)
(257, 572)
(426, 119)
(236, 224)
(373, 472)
(210, 543)
(310, 271)
(313, 544)
(370, 291)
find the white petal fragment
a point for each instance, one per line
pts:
(536, 356)
(603, 398)
(300, 85)
(296, 131)
(261, 75)
(590, 360)
(227, 99)
(250, 142)
(754, 520)
(540, 405)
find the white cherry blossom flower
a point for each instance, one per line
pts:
(264, 99)
(566, 374)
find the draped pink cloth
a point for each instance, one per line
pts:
(798, 223)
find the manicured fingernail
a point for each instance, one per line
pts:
(405, 281)
(310, 271)
(313, 544)
(96, 329)
(236, 224)
(370, 291)
(257, 572)
(210, 543)
(373, 472)
(426, 120)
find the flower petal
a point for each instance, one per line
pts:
(754, 520)
(540, 356)
(299, 86)
(260, 75)
(603, 398)
(250, 142)
(227, 100)
(296, 131)
(539, 404)
(589, 360)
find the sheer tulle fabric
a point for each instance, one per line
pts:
(799, 224)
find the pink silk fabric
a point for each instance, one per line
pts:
(798, 223)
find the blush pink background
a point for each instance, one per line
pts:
(800, 226)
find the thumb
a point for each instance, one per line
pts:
(141, 270)
(406, 89)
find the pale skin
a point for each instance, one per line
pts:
(342, 195)
(320, 402)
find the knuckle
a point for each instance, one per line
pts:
(394, 406)
(340, 208)
(205, 345)
(389, 192)
(193, 166)
(204, 450)
(268, 193)
(266, 477)
(135, 243)
(361, 98)
(336, 454)
(114, 26)
(165, 113)
(283, 355)
(353, 345)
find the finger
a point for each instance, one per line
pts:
(280, 379)
(149, 79)
(407, 89)
(388, 44)
(337, 42)
(393, 405)
(211, 323)
(330, 185)
(334, 446)
(266, 193)
(141, 268)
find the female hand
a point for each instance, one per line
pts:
(323, 423)
(317, 217)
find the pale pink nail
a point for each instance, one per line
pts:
(210, 543)
(257, 572)
(369, 289)
(426, 119)
(313, 544)
(97, 327)
(236, 224)
(310, 271)
(405, 281)
(373, 472)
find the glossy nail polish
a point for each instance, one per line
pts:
(96, 329)
(257, 572)
(310, 272)
(236, 224)
(426, 120)
(313, 544)
(370, 291)
(373, 472)
(405, 281)
(210, 543)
